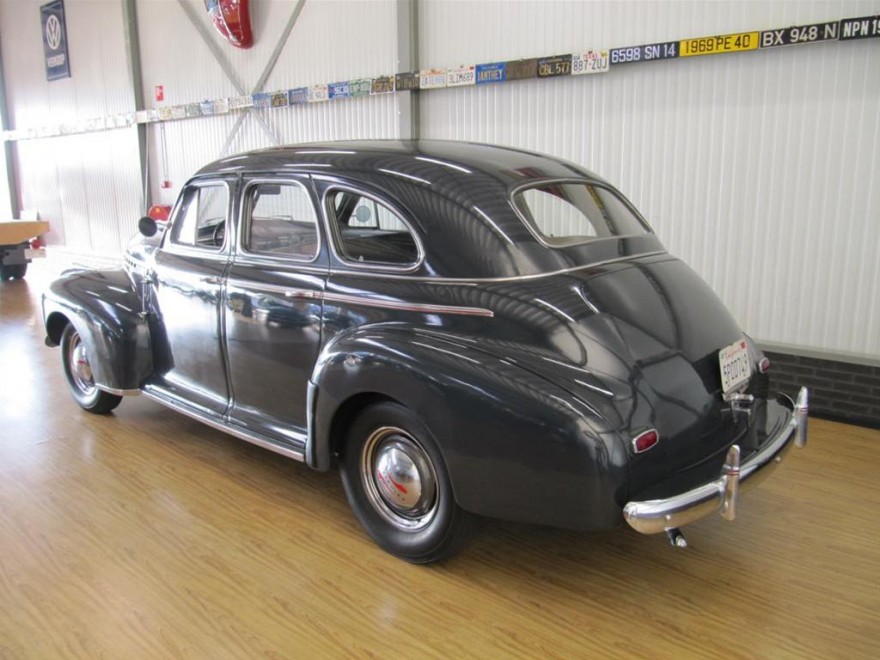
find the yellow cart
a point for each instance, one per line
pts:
(15, 247)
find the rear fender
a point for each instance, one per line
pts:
(516, 445)
(105, 310)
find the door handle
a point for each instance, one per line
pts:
(211, 280)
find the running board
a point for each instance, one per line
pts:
(241, 434)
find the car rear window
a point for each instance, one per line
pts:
(562, 214)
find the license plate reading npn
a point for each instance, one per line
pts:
(736, 366)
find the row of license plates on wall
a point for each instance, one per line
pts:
(588, 62)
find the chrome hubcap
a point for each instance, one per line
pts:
(399, 478)
(80, 367)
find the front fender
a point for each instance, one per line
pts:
(105, 310)
(517, 446)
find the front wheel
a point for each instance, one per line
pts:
(78, 370)
(398, 487)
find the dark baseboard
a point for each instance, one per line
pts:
(841, 391)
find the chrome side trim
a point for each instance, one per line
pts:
(113, 390)
(264, 261)
(654, 516)
(286, 291)
(408, 307)
(241, 434)
(492, 280)
(310, 294)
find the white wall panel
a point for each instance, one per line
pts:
(86, 186)
(759, 169)
(331, 40)
(100, 82)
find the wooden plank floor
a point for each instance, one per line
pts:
(144, 534)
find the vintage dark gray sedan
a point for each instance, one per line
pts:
(461, 328)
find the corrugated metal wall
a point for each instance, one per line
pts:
(86, 186)
(330, 41)
(758, 169)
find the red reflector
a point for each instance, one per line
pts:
(764, 365)
(644, 441)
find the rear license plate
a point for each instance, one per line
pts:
(736, 365)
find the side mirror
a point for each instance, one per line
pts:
(147, 226)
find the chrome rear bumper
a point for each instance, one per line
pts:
(654, 516)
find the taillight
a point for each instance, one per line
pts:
(644, 441)
(764, 365)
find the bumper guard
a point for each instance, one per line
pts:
(654, 516)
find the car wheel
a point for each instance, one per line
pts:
(398, 486)
(78, 371)
(11, 272)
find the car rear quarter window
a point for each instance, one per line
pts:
(201, 219)
(568, 213)
(370, 232)
(280, 221)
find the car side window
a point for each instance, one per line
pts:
(370, 232)
(281, 220)
(201, 220)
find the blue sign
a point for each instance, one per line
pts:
(55, 40)
(491, 73)
(262, 100)
(339, 90)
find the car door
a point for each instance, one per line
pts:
(187, 289)
(273, 307)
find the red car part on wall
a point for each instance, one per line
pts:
(232, 20)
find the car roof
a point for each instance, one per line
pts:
(417, 158)
(455, 195)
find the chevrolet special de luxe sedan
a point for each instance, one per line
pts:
(461, 329)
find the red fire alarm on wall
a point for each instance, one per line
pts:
(160, 92)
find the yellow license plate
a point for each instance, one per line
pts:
(725, 43)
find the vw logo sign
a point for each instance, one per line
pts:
(53, 32)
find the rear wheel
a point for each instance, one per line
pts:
(398, 486)
(80, 380)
